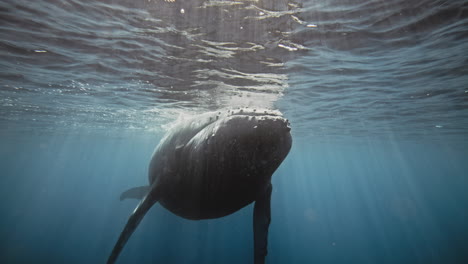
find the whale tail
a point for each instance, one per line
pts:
(135, 193)
(142, 208)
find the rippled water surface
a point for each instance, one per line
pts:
(333, 67)
(376, 92)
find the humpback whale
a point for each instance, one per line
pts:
(211, 166)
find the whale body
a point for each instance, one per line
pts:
(213, 165)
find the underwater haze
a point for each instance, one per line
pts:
(376, 93)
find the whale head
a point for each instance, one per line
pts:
(255, 140)
(243, 146)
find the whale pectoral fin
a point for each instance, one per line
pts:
(151, 198)
(135, 193)
(262, 218)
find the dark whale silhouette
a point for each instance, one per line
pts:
(213, 165)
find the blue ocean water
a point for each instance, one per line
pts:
(376, 93)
